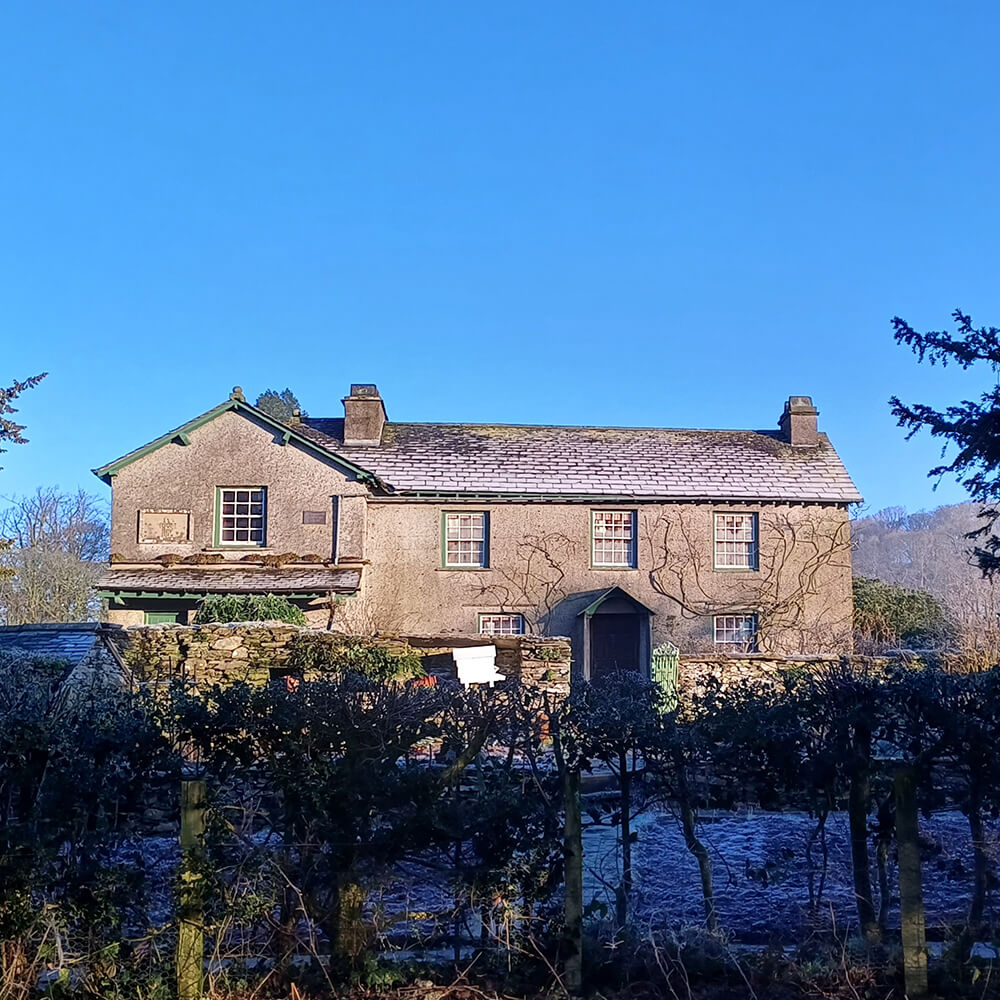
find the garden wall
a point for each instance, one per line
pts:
(252, 652)
(694, 671)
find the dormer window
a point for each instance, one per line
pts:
(242, 515)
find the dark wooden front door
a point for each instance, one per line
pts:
(614, 644)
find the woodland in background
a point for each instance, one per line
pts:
(55, 547)
(930, 553)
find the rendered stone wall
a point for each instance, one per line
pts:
(211, 654)
(540, 565)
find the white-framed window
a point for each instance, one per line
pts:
(490, 624)
(465, 538)
(612, 534)
(736, 633)
(735, 541)
(242, 518)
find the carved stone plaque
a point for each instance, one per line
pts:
(165, 526)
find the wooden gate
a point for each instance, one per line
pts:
(665, 671)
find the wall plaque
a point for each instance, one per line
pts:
(168, 527)
(314, 517)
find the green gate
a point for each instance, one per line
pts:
(665, 669)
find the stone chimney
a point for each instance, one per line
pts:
(798, 422)
(364, 416)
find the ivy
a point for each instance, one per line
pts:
(328, 654)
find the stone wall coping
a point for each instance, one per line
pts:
(761, 657)
(248, 626)
(890, 654)
(441, 640)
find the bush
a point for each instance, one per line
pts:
(887, 615)
(248, 608)
(324, 653)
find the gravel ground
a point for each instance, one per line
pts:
(761, 872)
(759, 865)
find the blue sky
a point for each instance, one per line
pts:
(648, 213)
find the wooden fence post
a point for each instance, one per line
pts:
(911, 897)
(190, 924)
(573, 848)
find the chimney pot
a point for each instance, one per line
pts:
(364, 416)
(798, 422)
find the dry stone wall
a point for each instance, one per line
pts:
(694, 672)
(224, 654)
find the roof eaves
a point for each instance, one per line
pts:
(180, 434)
(197, 593)
(784, 497)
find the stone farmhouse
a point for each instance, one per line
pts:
(730, 541)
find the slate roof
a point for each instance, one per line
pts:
(594, 462)
(69, 642)
(223, 580)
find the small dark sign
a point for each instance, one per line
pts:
(314, 517)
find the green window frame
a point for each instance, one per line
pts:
(161, 618)
(612, 539)
(465, 539)
(241, 517)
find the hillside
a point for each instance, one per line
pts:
(928, 551)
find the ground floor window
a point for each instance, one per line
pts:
(161, 617)
(501, 624)
(736, 633)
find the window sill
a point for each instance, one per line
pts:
(462, 569)
(238, 548)
(616, 569)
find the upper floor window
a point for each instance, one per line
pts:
(736, 633)
(735, 541)
(242, 515)
(501, 624)
(613, 538)
(466, 540)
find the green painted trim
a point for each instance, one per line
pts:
(599, 499)
(160, 617)
(217, 536)
(182, 438)
(591, 609)
(105, 472)
(444, 541)
(633, 562)
(197, 595)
